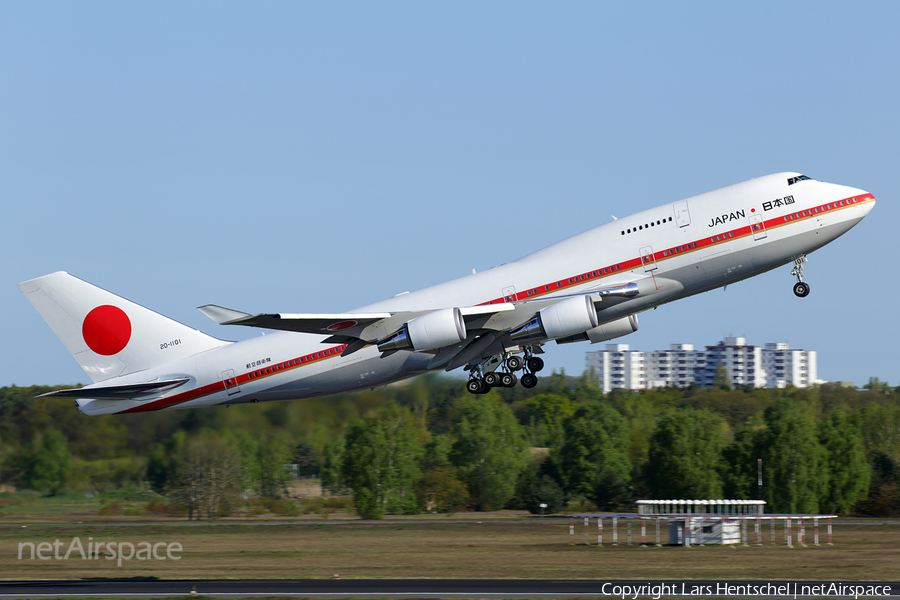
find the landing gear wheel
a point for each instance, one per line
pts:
(508, 380)
(476, 386)
(514, 363)
(535, 364)
(801, 288)
(492, 379)
(529, 380)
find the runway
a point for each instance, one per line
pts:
(445, 588)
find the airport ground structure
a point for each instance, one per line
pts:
(776, 365)
(700, 522)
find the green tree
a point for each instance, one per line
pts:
(208, 478)
(793, 460)
(848, 471)
(273, 454)
(536, 487)
(45, 464)
(883, 499)
(876, 385)
(489, 450)
(593, 459)
(721, 380)
(437, 452)
(880, 424)
(441, 490)
(545, 414)
(380, 463)
(545, 490)
(740, 462)
(685, 455)
(332, 466)
(162, 462)
(307, 460)
(642, 417)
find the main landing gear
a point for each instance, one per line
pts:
(481, 382)
(801, 288)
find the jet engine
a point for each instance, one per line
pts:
(605, 332)
(429, 332)
(566, 317)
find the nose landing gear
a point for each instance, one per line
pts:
(801, 288)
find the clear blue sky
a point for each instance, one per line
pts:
(316, 157)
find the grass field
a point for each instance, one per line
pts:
(489, 550)
(324, 543)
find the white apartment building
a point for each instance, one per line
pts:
(776, 365)
(676, 366)
(618, 367)
(743, 363)
(785, 365)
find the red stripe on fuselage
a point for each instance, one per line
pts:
(541, 290)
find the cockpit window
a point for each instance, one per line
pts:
(793, 180)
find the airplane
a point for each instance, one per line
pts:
(493, 324)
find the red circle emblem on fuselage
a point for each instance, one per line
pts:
(106, 330)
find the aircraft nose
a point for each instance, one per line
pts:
(856, 195)
(867, 199)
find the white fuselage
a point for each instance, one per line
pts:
(670, 252)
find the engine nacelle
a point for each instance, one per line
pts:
(567, 317)
(605, 332)
(613, 329)
(429, 332)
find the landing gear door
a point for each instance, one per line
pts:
(231, 384)
(647, 259)
(509, 293)
(682, 216)
(757, 227)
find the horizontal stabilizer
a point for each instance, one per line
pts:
(119, 392)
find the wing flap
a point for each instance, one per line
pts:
(344, 324)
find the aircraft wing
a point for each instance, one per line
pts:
(455, 335)
(368, 327)
(326, 324)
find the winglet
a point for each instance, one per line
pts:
(222, 315)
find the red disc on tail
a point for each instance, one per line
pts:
(106, 330)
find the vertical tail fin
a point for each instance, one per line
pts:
(110, 336)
